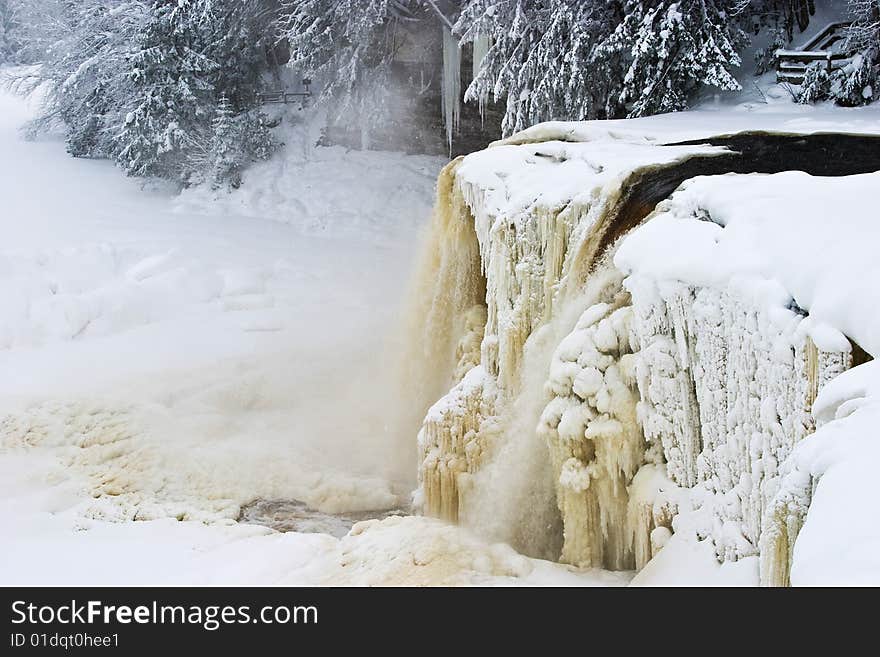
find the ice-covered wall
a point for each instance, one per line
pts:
(726, 390)
(593, 408)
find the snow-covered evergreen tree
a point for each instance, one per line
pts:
(582, 59)
(257, 141)
(237, 36)
(225, 156)
(540, 59)
(140, 80)
(170, 75)
(40, 27)
(8, 41)
(236, 141)
(816, 84)
(347, 46)
(93, 98)
(85, 73)
(671, 47)
(859, 83)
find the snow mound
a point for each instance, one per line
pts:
(413, 551)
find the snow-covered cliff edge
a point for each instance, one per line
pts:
(625, 377)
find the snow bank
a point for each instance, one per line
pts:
(839, 543)
(799, 240)
(707, 121)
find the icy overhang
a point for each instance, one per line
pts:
(514, 180)
(553, 164)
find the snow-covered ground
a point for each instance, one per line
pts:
(167, 359)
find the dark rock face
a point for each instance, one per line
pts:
(822, 154)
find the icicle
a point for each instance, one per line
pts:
(481, 49)
(451, 84)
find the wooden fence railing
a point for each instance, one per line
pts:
(286, 97)
(793, 63)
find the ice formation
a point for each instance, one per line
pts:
(595, 442)
(451, 84)
(600, 400)
(482, 44)
(726, 390)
